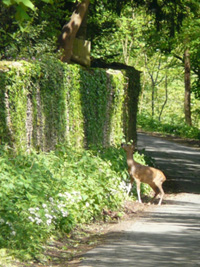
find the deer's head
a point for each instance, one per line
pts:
(128, 147)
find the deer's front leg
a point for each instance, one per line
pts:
(130, 184)
(129, 188)
(138, 189)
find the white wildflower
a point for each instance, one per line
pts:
(31, 219)
(9, 224)
(87, 204)
(51, 199)
(44, 206)
(48, 216)
(49, 222)
(68, 195)
(2, 221)
(32, 210)
(60, 206)
(65, 213)
(38, 220)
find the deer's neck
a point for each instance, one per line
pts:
(130, 161)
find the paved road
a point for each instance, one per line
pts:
(167, 235)
(180, 164)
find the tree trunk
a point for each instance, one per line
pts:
(69, 31)
(152, 99)
(187, 88)
(166, 98)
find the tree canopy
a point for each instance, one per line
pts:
(124, 31)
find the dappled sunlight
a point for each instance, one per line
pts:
(165, 236)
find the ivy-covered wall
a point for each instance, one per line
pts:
(47, 102)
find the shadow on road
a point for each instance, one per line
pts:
(164, 238)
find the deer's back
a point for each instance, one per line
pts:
(147, 174)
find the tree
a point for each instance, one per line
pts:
(173, 33)
(154, 72)
(166, 17)
(189, 46)
(70, 30)
(187, 101)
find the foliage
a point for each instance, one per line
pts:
(177, 31)
(46, 102)
(108, 108)
(139, 43)
(162, 92)
(101, 29)
(178, 128)
(49, 193)
(34, 37)
(22, 6)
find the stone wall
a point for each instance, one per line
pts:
(48, 103)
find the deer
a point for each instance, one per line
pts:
(145, 174)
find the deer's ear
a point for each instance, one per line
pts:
(133, 145)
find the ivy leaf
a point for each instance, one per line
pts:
(26, 3)
(21, 14)
(7, 2)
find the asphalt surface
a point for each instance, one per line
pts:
(181, 164)
(166, 235)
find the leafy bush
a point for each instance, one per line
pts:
(45, 193)
(55, 191)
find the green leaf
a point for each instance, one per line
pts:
(49, 1)
(10, 186)
(7, 2)
(21, 14)
(26, 3)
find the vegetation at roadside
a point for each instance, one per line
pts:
(49, 193)
(180, 129)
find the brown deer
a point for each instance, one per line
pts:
(144, 174)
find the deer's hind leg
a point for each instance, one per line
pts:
(158, 190)
(162, 193)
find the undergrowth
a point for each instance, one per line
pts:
(48, 193)
(179, 129)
